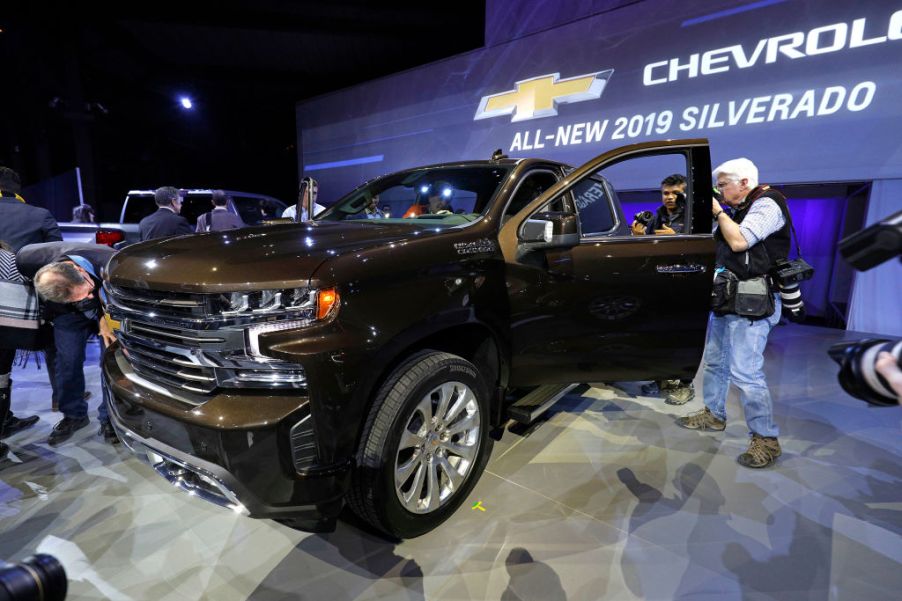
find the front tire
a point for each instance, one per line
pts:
(424, 445)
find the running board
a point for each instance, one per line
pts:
(537, 402)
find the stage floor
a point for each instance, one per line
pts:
(604, 499)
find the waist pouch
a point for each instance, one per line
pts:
(750, 298)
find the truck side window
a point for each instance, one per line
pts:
(653, 193)
(596, 215)
(530, 187)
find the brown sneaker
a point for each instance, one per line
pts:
(701, 420)
(762, 452)
(680, 395)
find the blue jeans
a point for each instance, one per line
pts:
(734, 351)
(65, 365)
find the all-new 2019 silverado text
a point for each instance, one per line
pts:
(284, 371)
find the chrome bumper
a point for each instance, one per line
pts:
(194, 476)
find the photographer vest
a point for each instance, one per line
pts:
(762, 257)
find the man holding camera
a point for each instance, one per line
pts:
(669, 219)
(749, 246)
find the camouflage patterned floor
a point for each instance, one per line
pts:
(604, 499)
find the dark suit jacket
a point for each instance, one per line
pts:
(162, 224)
(22, 224)
(34, 256)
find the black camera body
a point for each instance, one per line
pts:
(786, 273)
(644, 217)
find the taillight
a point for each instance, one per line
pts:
(109, 237)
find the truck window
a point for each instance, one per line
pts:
(196, 205)
(253, 210)
(594, 206)
(640, 183)
(530, 187)
(137, 207)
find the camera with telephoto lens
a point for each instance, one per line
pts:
(857, 373)
(786, 272)
(38, 578)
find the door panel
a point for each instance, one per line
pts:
(614, 309)
(614, 306)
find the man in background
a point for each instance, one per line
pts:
(166, 221)
(307, 193)
(220, 218)
(20, 223)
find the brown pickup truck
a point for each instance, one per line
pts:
(286, 370)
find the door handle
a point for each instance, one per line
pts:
(681, 268)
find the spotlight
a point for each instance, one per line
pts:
(446, 193)
(186, 103)
(424, 189)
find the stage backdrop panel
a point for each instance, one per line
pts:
(809, 90)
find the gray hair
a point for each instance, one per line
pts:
(56, 282)
(738, 169)
(166, 195)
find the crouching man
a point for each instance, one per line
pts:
(748, 245)
(67, 277)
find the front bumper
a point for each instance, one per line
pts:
(234, 450)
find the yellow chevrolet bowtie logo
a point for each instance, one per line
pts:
(540, 96)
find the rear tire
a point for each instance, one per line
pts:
(424, 445)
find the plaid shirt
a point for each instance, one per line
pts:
(18, 302)
(763, 219)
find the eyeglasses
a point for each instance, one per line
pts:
(722, 185)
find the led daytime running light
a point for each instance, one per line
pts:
(254, 332)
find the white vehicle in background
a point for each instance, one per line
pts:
(252, 208)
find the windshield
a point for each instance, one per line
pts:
(442, 195)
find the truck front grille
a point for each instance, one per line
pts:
(165, 356)
(170, 339)
(181, 306)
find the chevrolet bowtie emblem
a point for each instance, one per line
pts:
(540, 96)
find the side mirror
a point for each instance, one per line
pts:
(549, 229)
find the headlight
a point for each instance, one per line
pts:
(319, 305)
(265, 302)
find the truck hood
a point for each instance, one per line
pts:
(251, 258)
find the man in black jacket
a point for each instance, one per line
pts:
(166, 221)
(67, 276)
(20, 224)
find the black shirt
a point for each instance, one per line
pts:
(675, 221)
